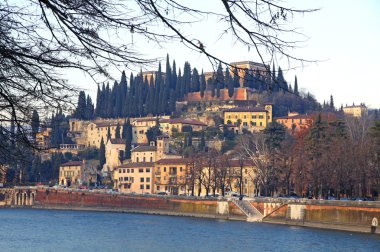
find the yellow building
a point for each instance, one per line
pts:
(171, 175)
(253, 119)
(168, 126)
(76, 173)
(355, 111)
(43, 138)
(97, 131)
(134, 177)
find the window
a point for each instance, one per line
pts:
(137, 159)
(147, 179)
(141, 170)
(253, 116)
(132, 170)
(147, 187)
(245, 117)
(151, 159)
(142, 180)
(119, 170)
(164, 169)
(229, 116)
(123, 170)
(245, 124)
(261, 116)
(254, 123)
(142, 187)
(158, 188)
(127, 170)
(261, 123)
(180, 169)
(147, 169)
(125, 178)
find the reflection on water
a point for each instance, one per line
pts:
(45, 230)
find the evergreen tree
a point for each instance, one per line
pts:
(98, 102)
(128, 140)
(211, 83)
(202, 84)
(80, 112)
(172, 101)
(35, 124)
(186, 81)
(281, 83)
(195, 85)
(296, 86)
(102, 154)
(178, 88)
(168, 76)
(229, 83)
(174, 77)
(220, 77)
(274, 85)
(89, 109)
(109, 133)
(124, 130)
(332, 106)
(117, 131)
(236, 78)
(202, 143)
(246, 78)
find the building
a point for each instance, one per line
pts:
(168, 126)
(134, 177)
(250, 65)
(75, 173)
(252, 119)
(295, 122)
(43, 139)
(355, 111)
(240, 94)
(172, 175)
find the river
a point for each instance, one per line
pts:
(51, 230)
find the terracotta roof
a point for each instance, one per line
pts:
(118, 141)
(105, 124)
(295, 117)
(136, 165)
(142, 148)
(145, 119)
(173, 161)
(183, 121)
(72, 163)
(247, 62)
(245, 109)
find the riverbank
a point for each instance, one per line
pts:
(337, 215)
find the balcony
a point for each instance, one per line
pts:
(172, 174)
(157, 174)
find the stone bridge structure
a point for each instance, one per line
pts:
(17, 196)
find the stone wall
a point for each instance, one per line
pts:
(209, 208)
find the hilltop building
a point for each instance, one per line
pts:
(252, 119)
(356, 111)
(77, 173)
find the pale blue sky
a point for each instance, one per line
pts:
(344, 35)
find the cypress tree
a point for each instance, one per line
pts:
(195, 85)
(89, 109)
(296, 86)
(128, 140)
(108, 133)
(178, 87)
(236, 78)
(35, 124)
(332, 106)
(172, 101)
(187, 77)
(246, 78)
(202, 84)
(229, 83)
(117, 131)
(174, 77)
(102, 154)
(202, 143)
(220, 77)
(80, 112)
(98, 102)
(124, 130)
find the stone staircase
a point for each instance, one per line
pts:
(253, 215)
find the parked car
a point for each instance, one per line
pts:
(162, 193)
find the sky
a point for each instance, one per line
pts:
(342, 37)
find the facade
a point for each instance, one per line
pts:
(295, 122)
(43, 138)
(114, 150)
(240, 94)
(134, 177)
(97, 131)
(250, 65)
(253, 119)
(355, 111)
(168, 126)
(172, 175)
(77, 173)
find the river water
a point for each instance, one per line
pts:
(50, 230)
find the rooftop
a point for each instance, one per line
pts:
(173, 161)
(246, 109)
(143, 148)
(72, 163)
(136, 165)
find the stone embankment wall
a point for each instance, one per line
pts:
(76, 200)
(342, 215)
